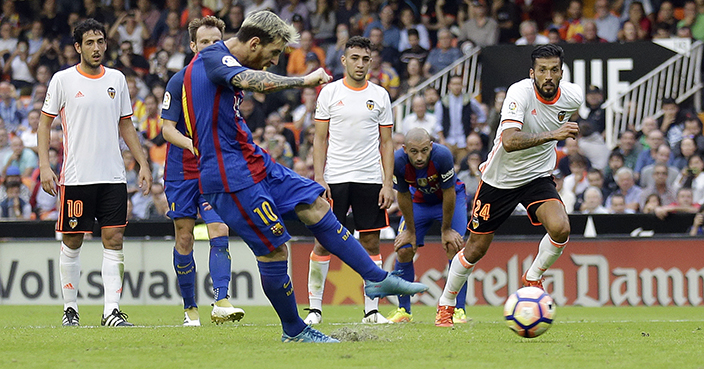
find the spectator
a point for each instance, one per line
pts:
(173, 29)
(276, 145)
(10, 107)
(129, 59)
(693, 19)
(419, 118)
(130, 27)
(255, 119)
(589, 34)
(508, 16)
(303, 114)
(616, 162)
(13, 207)
(568, 198)
(662, 156)
(652, 202)
(431, 96)
(131, 173)
(639, 18)
(627, 188)
(392, 35)
(696, 228)
(415, 50)
(233, 20)
(658, 186)
(389, 55)
(21, 157)
(69, 57)
(593, 202)
(294, 7)
(5, 149)
(29, 135)
(648, 125)
(480, 29)
(684, 204)
(413, 77)
(12, 174)
(628, 148)
(297, 59)
(454, 116)
(575, 21)
(158, 206)
(409, 22)
(471, 176)
(93, 9)
(305, 148)
(671, 121)
(150, 127)
(494, 115)
(323, 22)
(592, 145)
(386, 75)
(336, 51)
(477, 141)
(576, 182)
(692, 177)
(195, 9)
(565, 155)
(530, 35)
(442, 56)
(363, 17)
(554, 37)
(607, 24)
(618, 205)
(595, 177)
(149, 14)
(629, 32)
(176, 59)
(538, 10)
(345, 10)
(275, 120)
(647, 157)
(686, 148)
(257, 5)
(18, 68)
(693, 129)
(8, 42)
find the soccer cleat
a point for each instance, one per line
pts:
(223, 311)
(393, 285)
(309, 334)
(70, 318)
(374, 317)
(459, 316)
(443, 318)
(191, 318)
(400, 315)
(315, 316)
(116, 319)
(527, 283)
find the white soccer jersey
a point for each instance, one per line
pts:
(90, 108)
(524, 109)
(355, 117)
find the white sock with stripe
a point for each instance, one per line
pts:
(548, 252)
(70, 274)
(373, 304)
(317, 274)
(457, 275)
(112, 273)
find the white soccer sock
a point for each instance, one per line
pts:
(112, 272)
(548, 252)
(70, 274)
(457, 275)
(372, 304)
(317, 273)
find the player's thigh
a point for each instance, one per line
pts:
(459, 217)
(543, 191)
(253, 215)
(77, 209)
(491, 207)
(111, 207)
(288, 189)
(364, 199)
(182, 197)
(424, 216)
(340, 194)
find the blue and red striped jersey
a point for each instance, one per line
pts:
(228, 158)
(180, 164)
(426, 184)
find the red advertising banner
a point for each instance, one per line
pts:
(590, 272)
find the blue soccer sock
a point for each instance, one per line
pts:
(185, 267)
(340, 242)
(279, 290)
(461, 295)
(220, 267)
(408, 273)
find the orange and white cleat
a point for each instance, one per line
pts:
(443, 318)
(527, 283)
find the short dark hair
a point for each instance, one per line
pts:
(413, 32)
(359, 41)
(547, 51)
(87, 25)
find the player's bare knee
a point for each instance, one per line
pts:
(319, 250)
(311, 214)
(184, 243)
(218, 230)
(279, 254)
(560, 232)
(73, 241)
(405, 254)
(112, 240)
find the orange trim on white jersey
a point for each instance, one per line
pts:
(512, 121)
(491, 154)
(344, 81)
(548, 102)
(322, 120)
(48, 115)
(84, 74)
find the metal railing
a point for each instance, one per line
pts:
(678, 78)
(468, 67)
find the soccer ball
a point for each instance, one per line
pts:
(529, 312)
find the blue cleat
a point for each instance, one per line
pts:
(309, 334)
(393, 285)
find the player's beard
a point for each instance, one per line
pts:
(546, 95)
(92, 63)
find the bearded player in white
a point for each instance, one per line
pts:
(534, 117)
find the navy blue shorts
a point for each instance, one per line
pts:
(256, 213)
(185, 201)
(424, 215)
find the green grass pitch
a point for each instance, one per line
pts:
(606, 337)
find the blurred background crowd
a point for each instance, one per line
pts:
(657, 169)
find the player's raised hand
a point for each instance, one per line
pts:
(316, 78)
(49, 180)
(567, 130)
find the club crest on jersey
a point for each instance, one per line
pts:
(73, 222)
(423, 182)
(111, 92)
(277, 229)
(561, 115)
(370, 104)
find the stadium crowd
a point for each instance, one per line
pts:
(655, 170)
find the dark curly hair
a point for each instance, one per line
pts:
(87, 25)
(359, 41)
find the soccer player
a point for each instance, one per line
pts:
(428, 190)
(534, 117)
(353, 130)
(95, 110)
(249, 191)
(185, 200)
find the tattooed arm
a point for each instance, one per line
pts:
(266, 82)
(513, 139)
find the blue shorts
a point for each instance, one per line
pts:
(424, 215)
(256, 213)
(185, 201)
